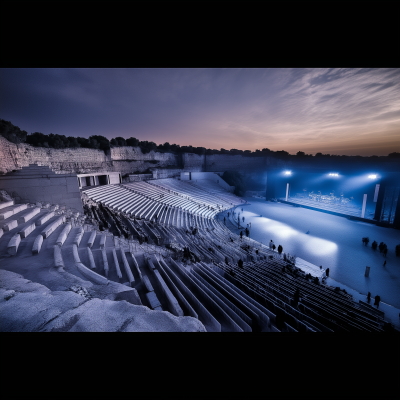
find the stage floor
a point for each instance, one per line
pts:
(331, 241)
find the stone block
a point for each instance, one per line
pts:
(173, 304)
(105, 261)
(116, 263)
(91, 259)
(153, 300)
(91, 240)
(63, 235)
(58, 260)
(6, 214)
(28, 215)
(13, 244)
(52, 227)
(10, 225)
(45, 218)
(78, 236)
(127, 267)
(147, 284)
(102, 241)
(75, 253)
(131, 296)
(37, 244)
(4, 204)
(27, 230)
(91, 275)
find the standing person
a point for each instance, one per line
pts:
(369, 297)
(377, 300)
(270, 244)
(224, 221)
(384, 263)
(241, 234)
(327, 272)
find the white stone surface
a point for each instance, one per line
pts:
(116, 263)
(92, 238)
(45, 218)
(24, 232)
(52, 227)
(58, 259)
(78, 236)
(63, 235)
(28, 215)
(91, 259)
(4, 204)
(13, 244)
(37, 244)
(10, 225)
(102, 241)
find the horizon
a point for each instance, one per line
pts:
(331, 111)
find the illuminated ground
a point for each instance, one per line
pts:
(333, 242)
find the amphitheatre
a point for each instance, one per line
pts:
(122, 240)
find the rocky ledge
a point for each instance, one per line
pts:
(26, 306)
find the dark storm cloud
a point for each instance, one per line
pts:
(292, 109)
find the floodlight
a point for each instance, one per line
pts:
(333, 174)
(288, 172)
(372, 176)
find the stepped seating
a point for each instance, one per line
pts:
(13, 209)
(267, 280)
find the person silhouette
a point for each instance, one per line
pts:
(369, 297)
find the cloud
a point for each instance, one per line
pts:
(308, 109)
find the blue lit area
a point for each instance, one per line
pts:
(331, 241)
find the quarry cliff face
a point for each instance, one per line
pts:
(81, 160)
(126, 160)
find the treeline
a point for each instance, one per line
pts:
(54, 141)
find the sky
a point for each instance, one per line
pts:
(335, 111)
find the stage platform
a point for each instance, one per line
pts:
(341, 211)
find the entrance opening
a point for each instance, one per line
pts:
(103, 180)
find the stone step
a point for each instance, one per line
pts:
(28, 214)
(4, 204)
(45, 218)
(13, 244)
(25, 231)
(7, 212)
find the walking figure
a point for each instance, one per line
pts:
(241, 234)
(384, 263)
(224, 221)
(369, 297)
